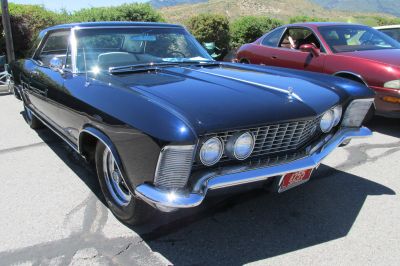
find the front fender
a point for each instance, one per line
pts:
(136, 153)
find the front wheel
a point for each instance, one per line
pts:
(31, 119)
(119, 199)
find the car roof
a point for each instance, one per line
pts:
(388, 27)
(110, 24)
(319, 24)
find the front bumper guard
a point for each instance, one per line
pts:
(167, 200)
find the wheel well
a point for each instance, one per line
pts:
(87, 146)
(352, 77)
(244, 61)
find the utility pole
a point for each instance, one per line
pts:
(7, 31)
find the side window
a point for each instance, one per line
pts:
(296, 37)
(56, 45)
(272, 39)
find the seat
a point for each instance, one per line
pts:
(110, 59)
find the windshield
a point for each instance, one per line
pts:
(394, 33)
(350, 38)
(101, 49)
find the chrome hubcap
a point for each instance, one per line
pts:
(115, 184)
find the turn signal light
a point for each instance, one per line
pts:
(391, 99)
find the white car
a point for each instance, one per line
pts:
(392, 30)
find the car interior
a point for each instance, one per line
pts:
(118, 50)
(293, 38)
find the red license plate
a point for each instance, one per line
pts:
(291, 180)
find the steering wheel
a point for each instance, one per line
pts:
(181, 55)
(368, 42)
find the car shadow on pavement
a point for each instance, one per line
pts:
(384, 125)
(73, 160)
(255, 225)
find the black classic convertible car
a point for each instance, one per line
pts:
(165, 125)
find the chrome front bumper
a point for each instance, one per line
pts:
(169, 200)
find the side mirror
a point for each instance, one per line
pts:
(310, 48)
(56, 64)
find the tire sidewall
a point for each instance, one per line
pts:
(124, 213)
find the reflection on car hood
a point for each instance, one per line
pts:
(388, 56)
(225, 97)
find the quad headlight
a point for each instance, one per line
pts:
(240, 146)
(327, 121)
(330, 119)
(211, 151)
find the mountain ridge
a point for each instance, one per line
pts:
(283, 10)
(391, 7)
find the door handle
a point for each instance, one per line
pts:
(274, 57)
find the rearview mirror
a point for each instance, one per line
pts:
(56, 64)
(310, 48)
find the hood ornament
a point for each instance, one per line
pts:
(290, 93)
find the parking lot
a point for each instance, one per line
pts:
(53, 213)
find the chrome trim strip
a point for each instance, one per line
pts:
(74, 49)
(168, 199)
(287, 92)
(353, 74)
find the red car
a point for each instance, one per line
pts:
(356, 52)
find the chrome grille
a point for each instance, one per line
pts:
(174, 166)
(276, 138)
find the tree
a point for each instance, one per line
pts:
(249, 28)
(297, 19)
(125, 12)
(381, 21)
(211, 28)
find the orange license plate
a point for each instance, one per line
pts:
(294, 179)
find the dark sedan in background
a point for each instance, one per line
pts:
(355, 52)
(390, 30)
(164, 124)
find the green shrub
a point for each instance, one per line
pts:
(297, 19)
(210, 28)
(249, 28)
(381, 21)
(36, 16)
(21, 32)
(26, 22)
(125, 12)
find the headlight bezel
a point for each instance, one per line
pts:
(220, 153)
(348, 119)
(338, 113)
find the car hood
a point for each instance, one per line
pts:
(389, 56)
(215, 98)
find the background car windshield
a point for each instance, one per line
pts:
(104, 48)
(394, 33)
(356, 38)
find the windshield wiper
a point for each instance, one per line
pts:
(140, 67)
(156, 65)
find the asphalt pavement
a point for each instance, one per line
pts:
(52, 211)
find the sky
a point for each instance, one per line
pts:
(71, 5)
